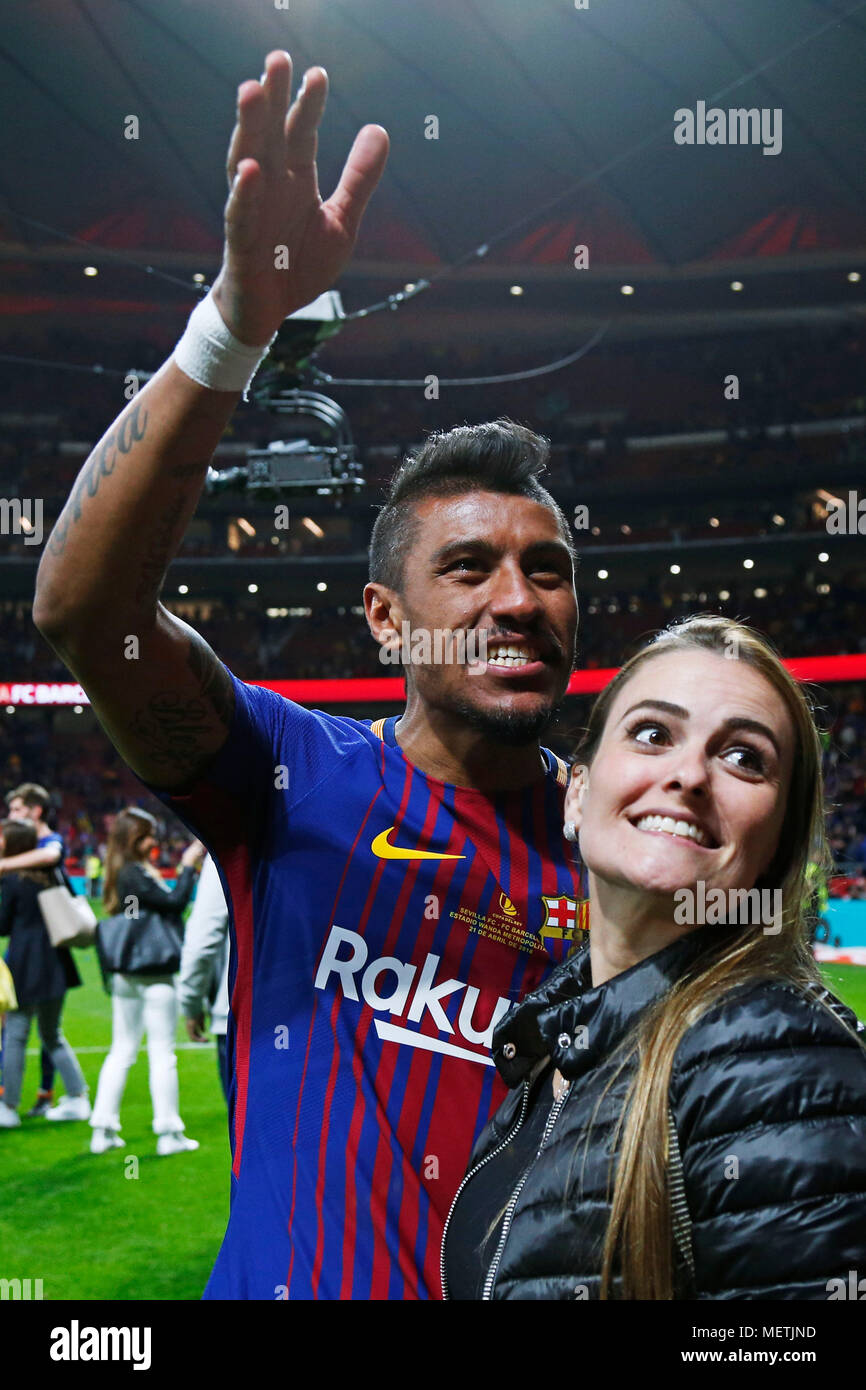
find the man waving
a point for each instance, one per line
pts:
(393, 886)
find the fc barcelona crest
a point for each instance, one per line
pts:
(564, 917)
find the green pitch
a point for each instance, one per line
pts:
(101, 1226)
(127, 1224)
(848, 982)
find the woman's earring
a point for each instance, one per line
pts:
(569, 831)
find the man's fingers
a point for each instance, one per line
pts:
(302, 122)
(361, 172)
(249, 137)
(277, 85)
(242, 208)
(262, 106)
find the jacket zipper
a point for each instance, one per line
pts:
(471, 1174)
(487, 1293)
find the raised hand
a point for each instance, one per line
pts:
(193, 855)
(284, 246)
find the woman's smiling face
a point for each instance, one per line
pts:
(690, 778)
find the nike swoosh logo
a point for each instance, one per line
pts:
(383, 849)
(389, 1032)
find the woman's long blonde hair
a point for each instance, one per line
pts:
(639, 1236)
(129, 829)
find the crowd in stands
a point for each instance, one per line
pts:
(618, 391)
(90, 783)
(671, 386)
(334, 641)
(845, 772)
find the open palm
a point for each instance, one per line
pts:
(284, 245)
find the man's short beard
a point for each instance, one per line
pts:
(507, 727)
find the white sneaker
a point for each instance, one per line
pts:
(9, 1118)
(175, 1144)
(105, 1139)
(70, 1108)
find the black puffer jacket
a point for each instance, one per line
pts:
(768, 1093)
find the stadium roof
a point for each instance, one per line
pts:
(555, 128)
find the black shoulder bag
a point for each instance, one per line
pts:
(149, 944)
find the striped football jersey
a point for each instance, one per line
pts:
(382, 922)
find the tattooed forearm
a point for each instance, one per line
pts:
(130, 431)
(164, 700)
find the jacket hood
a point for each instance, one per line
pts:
(578, 1024)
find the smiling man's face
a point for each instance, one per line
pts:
(690, 778)
(496, 568)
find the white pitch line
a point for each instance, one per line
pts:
(179, 1047)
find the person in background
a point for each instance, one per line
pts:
(41, 974)
(31, 801)
(93, 870)
(204, 965)
(142, 1003)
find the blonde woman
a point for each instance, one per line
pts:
(688, 1106)
(142, 1003)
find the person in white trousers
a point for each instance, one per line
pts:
(204, 965)
(142, 1003)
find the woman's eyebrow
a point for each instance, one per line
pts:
(734, 721)
(754, 726)
(664, 705)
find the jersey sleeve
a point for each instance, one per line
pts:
(52, 838)
(274, 748)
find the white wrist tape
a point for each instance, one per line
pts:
(210, 354)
